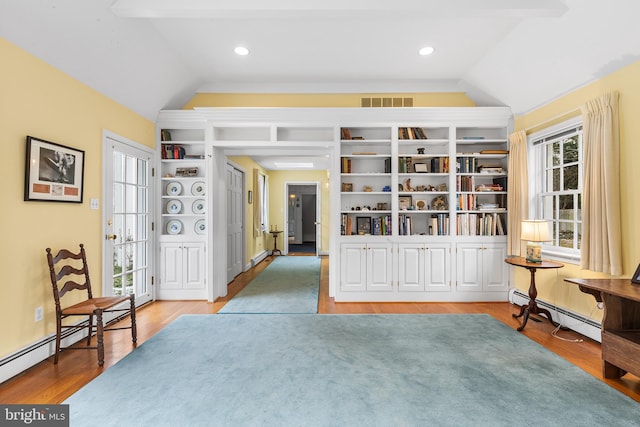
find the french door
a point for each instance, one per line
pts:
(128, 240)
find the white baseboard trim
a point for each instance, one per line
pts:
(567, 318)
(34, 353)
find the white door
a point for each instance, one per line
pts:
(235, 222)
(379, 267)
(437, 267)
(353, 266)
(411, 267)
(127, 189)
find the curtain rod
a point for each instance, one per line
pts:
(554, 118)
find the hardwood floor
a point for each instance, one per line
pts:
(49, 383)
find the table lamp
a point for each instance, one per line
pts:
(535, 231)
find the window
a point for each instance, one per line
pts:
(263, 182)
(557, 193)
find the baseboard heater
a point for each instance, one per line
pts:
(256, 259)
(23, 359)
(566, 318)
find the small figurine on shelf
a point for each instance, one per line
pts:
(407, 185)
(420, 150)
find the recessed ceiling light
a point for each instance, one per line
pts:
(427, 50)
(241, 50)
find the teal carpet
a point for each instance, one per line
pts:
(346, 370)
(289, 284)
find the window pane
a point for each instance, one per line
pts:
(571, 177)
(570, 149)
(579, 227)
(554, 240)
(579, 215)
(566, 206)
(566, 235)
(556, 180)
(548, 207)
(553, 154)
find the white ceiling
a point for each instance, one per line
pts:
(156, 54)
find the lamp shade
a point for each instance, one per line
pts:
(535, 230)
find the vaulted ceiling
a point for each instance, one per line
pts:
(156, 54)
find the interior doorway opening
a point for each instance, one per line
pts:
(302, 213)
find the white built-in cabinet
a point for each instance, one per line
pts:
(481, 267)
(417, 196)
(424, 267)
(366, 266)
(182, 270)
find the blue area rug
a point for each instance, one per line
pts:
(346, 370)
(290, 284)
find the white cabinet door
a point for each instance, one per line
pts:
(182, 266)
(170, 266)
(437, 264)
(411, 267)
(481, 267)
(193, 265)
(495, 272)
(353, 267)
(379, 267)
(469, 267)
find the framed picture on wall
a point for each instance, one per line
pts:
(53, 172)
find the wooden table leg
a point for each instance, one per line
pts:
(532, 306)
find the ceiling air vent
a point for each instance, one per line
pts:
(386, 102)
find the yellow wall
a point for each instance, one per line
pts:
(445, 99)
(39, 100)
(551, 287)
(277, 197)
(253, 245)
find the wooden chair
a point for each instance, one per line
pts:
(64, 280)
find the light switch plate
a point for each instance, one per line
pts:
(95, 204)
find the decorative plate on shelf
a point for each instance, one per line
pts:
(174, 188)
(198, 188)
(174, 206)
(200, 226)
(198, 206)
(174, 226)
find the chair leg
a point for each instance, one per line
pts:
(99, 334)
(90, 330)
(134, 331)
(58, 337)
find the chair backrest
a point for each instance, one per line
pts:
(64, 280)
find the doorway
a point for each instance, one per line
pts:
(302, 218)
(128, 241)
(235, 221)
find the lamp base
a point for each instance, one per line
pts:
(534, 252)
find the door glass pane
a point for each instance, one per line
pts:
(131, 170)
(118, 167)
(142, 172)
(118, 197)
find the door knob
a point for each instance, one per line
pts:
(111, 237)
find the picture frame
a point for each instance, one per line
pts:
(636, 276)
(404, 202)
(347, 187)
(420, 168)
(363, 225)
(53, 172)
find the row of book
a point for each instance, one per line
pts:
(466, 164)
(172, 151)
(481, 224)
(411, 133)
(427, 165)
(376, 226)
(437, 225)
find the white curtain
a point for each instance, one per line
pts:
(601, 248)
(518, 191)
